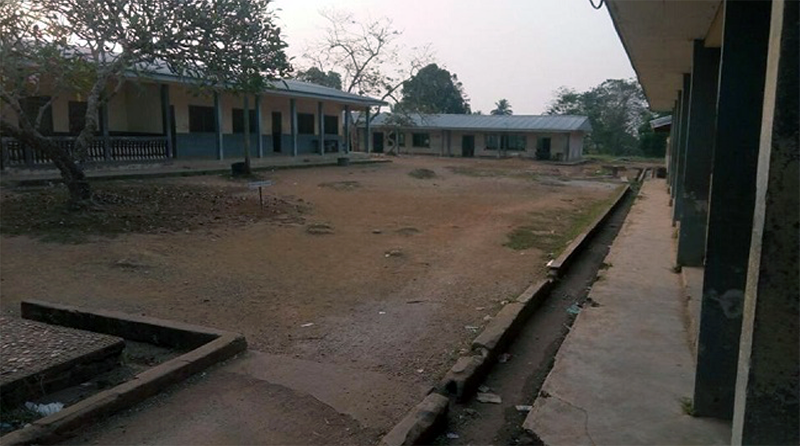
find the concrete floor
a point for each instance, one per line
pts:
(626, 369)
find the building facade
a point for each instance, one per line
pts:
(558, 138)
(164, 117)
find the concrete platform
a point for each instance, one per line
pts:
(36, 357)
(626, 371)
(161, 168)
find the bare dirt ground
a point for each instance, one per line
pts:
(385, 270)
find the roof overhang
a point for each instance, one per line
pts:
(280, 88)
(658, 36)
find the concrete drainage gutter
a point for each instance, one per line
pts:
(423, 422)
(560, 264)
(208, 346)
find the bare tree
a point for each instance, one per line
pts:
(57, 47)
(368, 54)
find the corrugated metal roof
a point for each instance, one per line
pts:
(542, 123)
(287, 87)
(661, 122)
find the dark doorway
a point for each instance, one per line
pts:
(277, 131)
(543, 149)
(468, 146)
(377, 142)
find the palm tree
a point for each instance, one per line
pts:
(503, 108)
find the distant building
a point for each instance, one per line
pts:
(548, 137)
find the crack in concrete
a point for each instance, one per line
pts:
(585, 417)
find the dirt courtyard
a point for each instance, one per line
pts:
(387, 269)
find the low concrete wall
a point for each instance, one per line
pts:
(209, 347)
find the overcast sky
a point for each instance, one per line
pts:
(521, 50)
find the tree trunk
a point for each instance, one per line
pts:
(73, 176)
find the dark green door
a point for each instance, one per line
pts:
(543, 149)
(377, 142)
(468, 146)
(277, 131)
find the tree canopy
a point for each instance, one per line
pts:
(619, 114)
(434, 90)
(314, 75)
(502, 108)
(53, 48)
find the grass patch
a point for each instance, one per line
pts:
(551, 231)
(687, 406)
(341, 185)
(620, 159)
(422, 174)
(492, 173)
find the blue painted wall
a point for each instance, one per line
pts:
(204, 145)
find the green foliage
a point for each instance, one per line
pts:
(502, 107)
(434, 90)
(652, 144)
(314, 75)
(617, 110)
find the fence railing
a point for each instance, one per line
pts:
(121, 148)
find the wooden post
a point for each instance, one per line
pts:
(321, 128)
(106, 133)
(293, 112)
(260, 140)
(218, 126)
(346, 129)
(367, 135)
(167, 118)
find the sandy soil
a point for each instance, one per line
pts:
(383, 272)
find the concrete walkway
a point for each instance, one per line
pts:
(141, 169)
(625, 371)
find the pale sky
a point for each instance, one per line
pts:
(521, 50)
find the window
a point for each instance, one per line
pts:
(492, 142)
(31, 106)
(201, 119)
(421, 139)
(505, 142)
(238, 120)
(305, 123)
(515, 142)
(77, 117)
(401, 138)
(331, 125)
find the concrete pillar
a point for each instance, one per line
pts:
(673, 129)
(321, 127)
(346, 129)
(730, 219)
(680, 162)
(699, 151)
(260, 139)
(218, 126)
(167, 119)
(767, 410)
(106, 132)
(676, 124)
(367, 133)
(293, 113)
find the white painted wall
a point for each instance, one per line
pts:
(558, 143)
